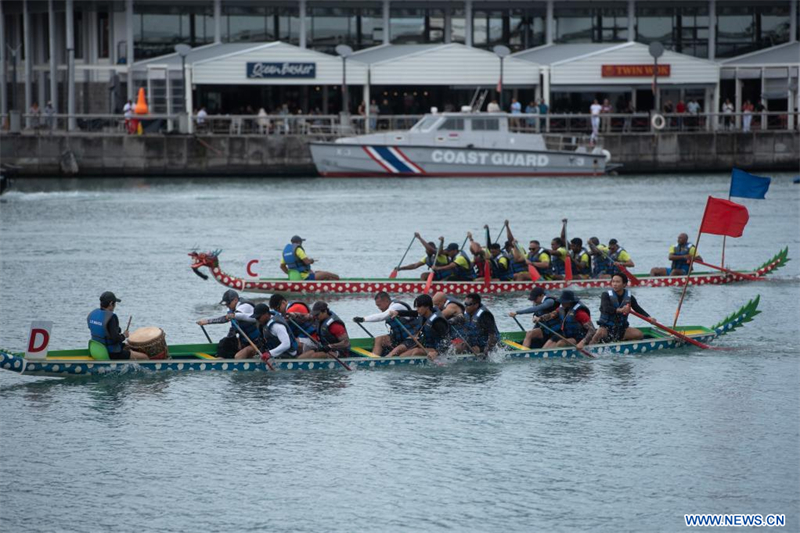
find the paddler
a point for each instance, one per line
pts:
(516, 254)
(543, 304)
(460, 265)
(433, 258)
(104, 327)
(435, 334)
(449, 307)
(612, 254)
(574, 322)
(240, 312)
(615, 306)
(297, 264)
(581, 260)
(680, 254)
(305, 334)
(558, 256)
(331, 331)
(278, 340)
(477, 327)
(397, 335)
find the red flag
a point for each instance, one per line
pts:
(723, 217)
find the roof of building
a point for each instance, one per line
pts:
(200, 53)
(787, 54)
(556, 53)
(387, 52)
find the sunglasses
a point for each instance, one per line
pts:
(470, 304)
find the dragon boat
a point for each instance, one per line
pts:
(201, 357)
(210, 260)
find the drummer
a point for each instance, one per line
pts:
(297, 264)
(104, 327)
(240, 312)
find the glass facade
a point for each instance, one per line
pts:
(259, 23)
(158, 27)
(516, 27)
(601, 22)
(417, 25)
(357, 26)
(103, 34)
(679, 26)
(746, 27)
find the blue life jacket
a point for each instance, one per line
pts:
(250, 328)
(616, 320)
(469, 273)
(614, 269)
(554, 323)
(577, 262)
(98, 323)
(323, 329)
(397, 333)
(472, 331)
(498, 271)
(271, 338)
(303, 329)
(569, 326)
(682, 264)
(534, 258)
(438, 275)
(291, 260)
(431, 339)
(602, 265)
(517, 266)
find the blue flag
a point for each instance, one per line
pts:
(745, 185)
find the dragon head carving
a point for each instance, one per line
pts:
(204, 259)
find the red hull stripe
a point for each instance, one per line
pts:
(463, 174)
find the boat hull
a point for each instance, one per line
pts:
(370, 160)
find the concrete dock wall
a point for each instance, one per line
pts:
(222, 155)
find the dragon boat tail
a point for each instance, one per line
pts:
(201, 357)
(210, 261)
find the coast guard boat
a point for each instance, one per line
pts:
(461, 145)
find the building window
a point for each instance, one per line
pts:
(517, 28)
(415, 25)
(458, 25)
(78, 35)
(743, 28)
(358, 27)
(682, 27)
(159, 27)
(249, 23)
(103, 34)
(602, 22)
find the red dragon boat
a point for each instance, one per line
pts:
(210, 260)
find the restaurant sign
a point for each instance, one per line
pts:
(281, 70)
(633, 71)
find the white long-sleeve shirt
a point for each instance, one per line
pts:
(283, 336)
(380, 317)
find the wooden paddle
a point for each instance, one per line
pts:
(731, 272)
(574, 345)
(501, 231)
(633, 280)
(129, 323)
(206, 333)
(672, 332)
(253, 345)
(321, 344)
(394, 272)
(365, 329)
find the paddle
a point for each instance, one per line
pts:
(633, 280)
(571, 343)
(501, 231)
(532, 270)
(520, 325)
(129, 323)
(731, 272)
(462, 339)
(394, 272)
(266, 360)
(321, 344)
(414, 338)
(433, 263)
(365, 330)
(206, 333)
(463, 244)
(567, 258)
(672, 332)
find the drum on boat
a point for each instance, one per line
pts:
(151, 341)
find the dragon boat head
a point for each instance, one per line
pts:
(204, 259)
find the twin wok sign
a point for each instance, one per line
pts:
(259, 70)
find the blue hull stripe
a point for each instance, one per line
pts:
(393, 160)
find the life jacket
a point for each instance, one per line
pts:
(431, 339)
(472, 331)
(98, 322)
(438, 275)
(271, 338)
(250, 328)
(554, 323)
(291, 260)
(323, 329)
(304, 329)
(499, 271)
(569, 326)
(614, 269)
(682, 264)
(517, 266)
(534, 258)
(602, 264)
(397, 333)
(616, 320)
(557, 264)
(451, 300)
(578, 260)
(465, 273)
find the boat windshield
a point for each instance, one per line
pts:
(426, 124)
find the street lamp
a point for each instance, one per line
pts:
(656, 50)
(344, 51)
(183, 51)
(501, 52)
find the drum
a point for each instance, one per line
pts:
(151, 341)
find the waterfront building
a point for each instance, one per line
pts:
(91, 56)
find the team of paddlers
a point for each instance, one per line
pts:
(283, 329)
(509, 261)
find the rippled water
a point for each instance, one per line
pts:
(615, 444)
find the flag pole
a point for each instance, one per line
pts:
(691, 264)
(724, 237)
